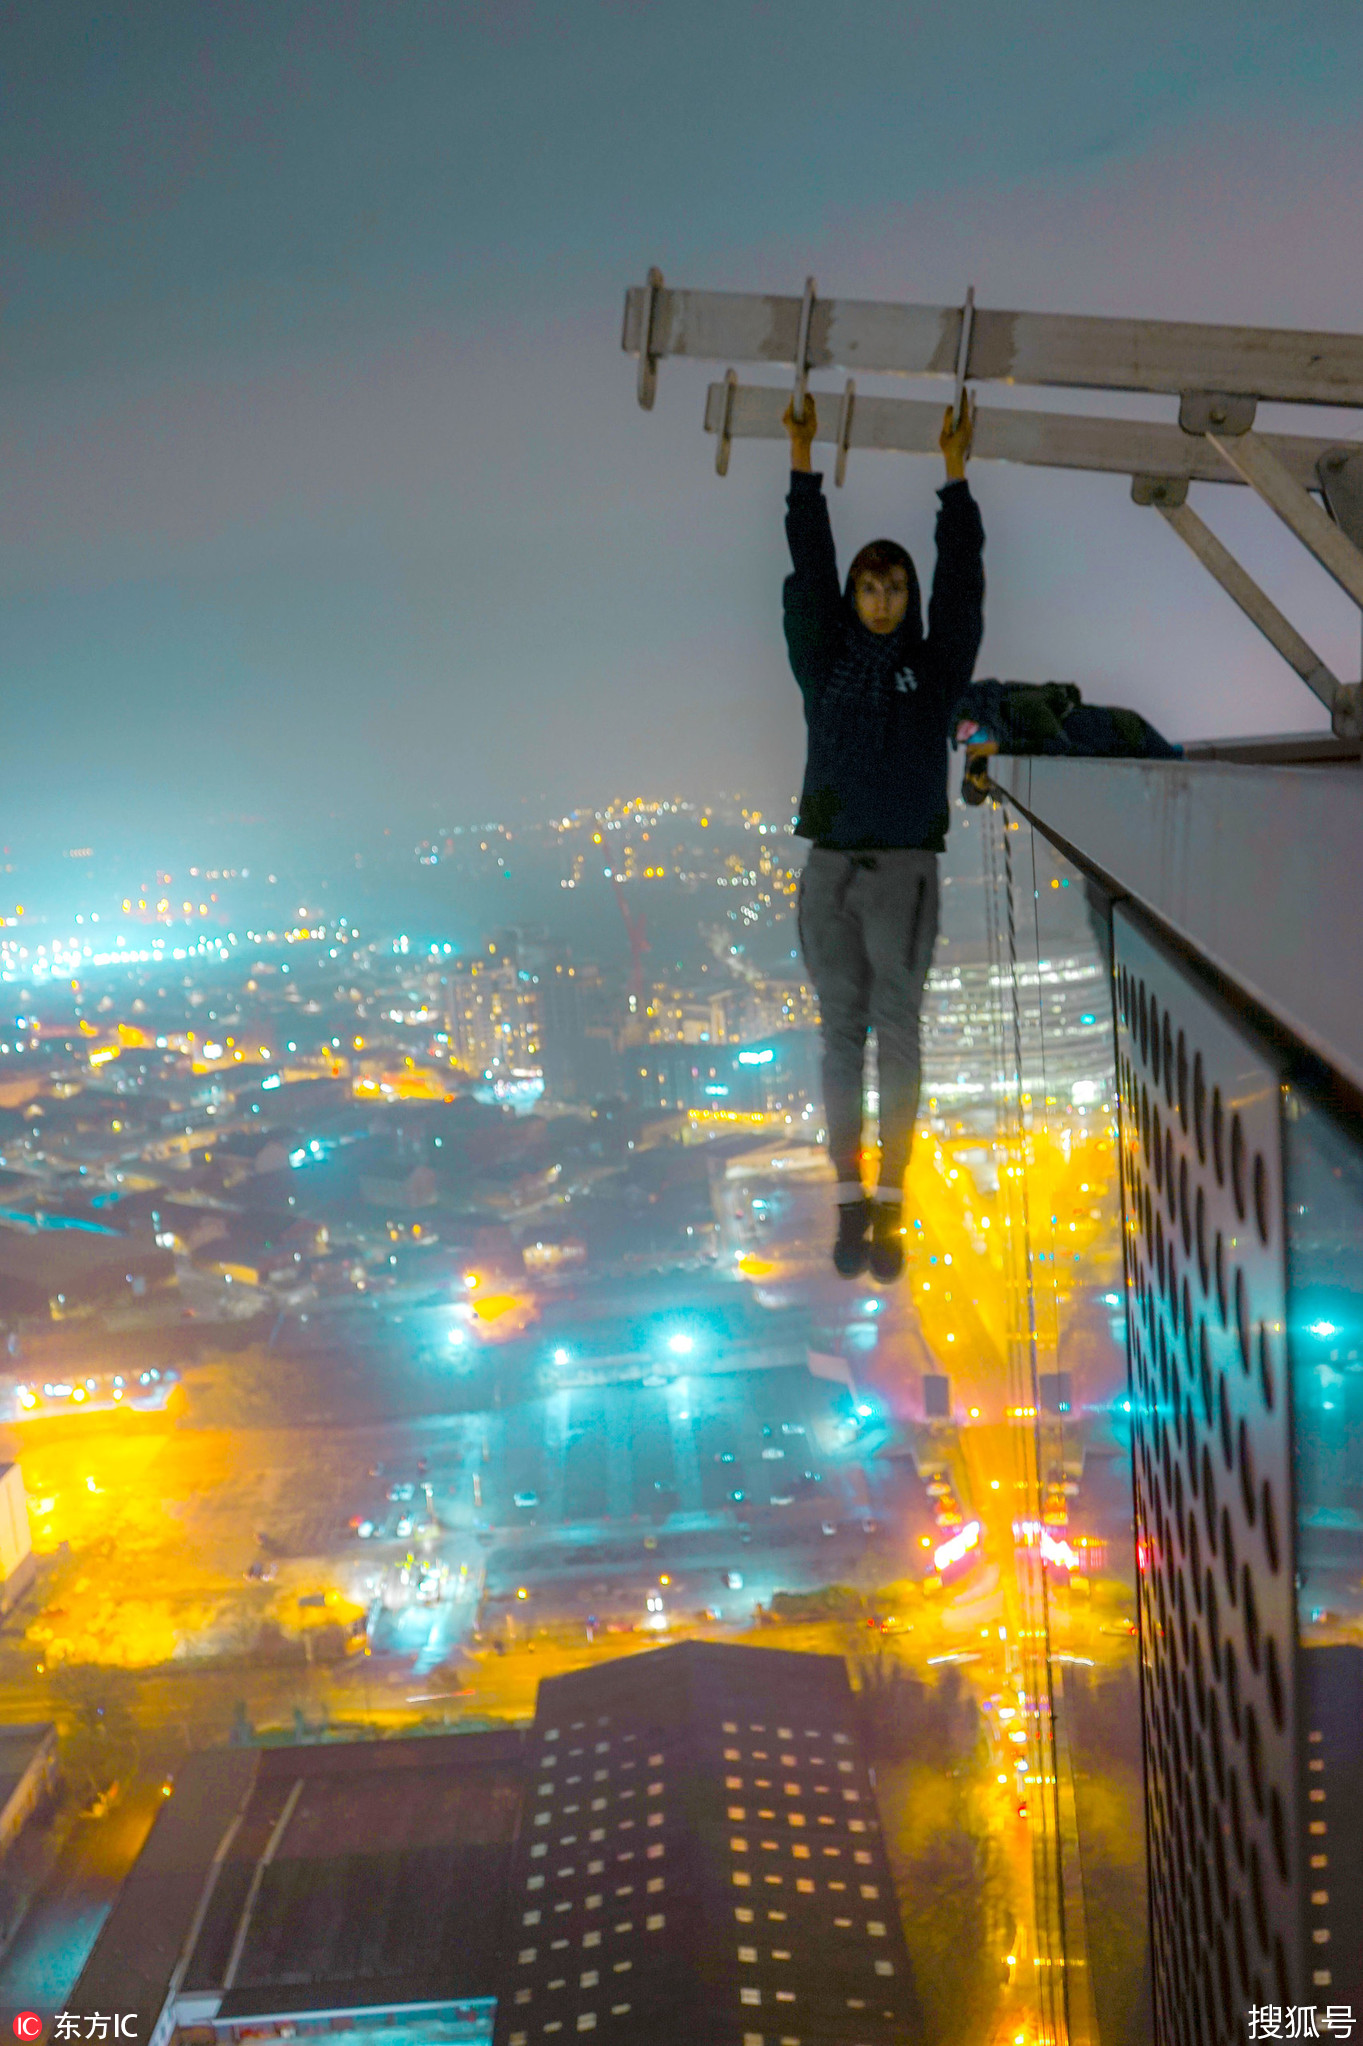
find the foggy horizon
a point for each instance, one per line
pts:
(326, 492)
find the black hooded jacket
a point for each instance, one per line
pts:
(878, 707)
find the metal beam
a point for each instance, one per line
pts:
(1171, 503)
(1122, 447)
(1258, 464)
(1074, 350)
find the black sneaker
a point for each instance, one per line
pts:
(851, 1251)
(886, 1252)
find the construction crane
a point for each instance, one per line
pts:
(638, 942)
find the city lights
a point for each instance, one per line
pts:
(959, 1545)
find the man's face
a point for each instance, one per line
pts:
(882, 599)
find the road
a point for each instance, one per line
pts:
(52, 1944)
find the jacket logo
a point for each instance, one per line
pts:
(905, 680)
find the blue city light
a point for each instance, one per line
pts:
(681, 1344)
(865, 1412)
(562, 1356)
(756, 1058)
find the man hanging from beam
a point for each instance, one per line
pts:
(878, 696)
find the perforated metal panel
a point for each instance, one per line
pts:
(1202, 1192)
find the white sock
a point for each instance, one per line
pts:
(848, 1191)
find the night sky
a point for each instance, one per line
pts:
(324, 488)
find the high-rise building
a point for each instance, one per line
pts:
(493, 1014)
(1244, 1212)
(700, 1858)
(684, 1847)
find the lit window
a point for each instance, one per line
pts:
(656, 1921)
(884, 1968)
(860, 1854)
(844, 1922)
(800, 1853)
(736, 1811)
(803, 1883)
(875, 1928)
(623, 1967)
(525, 1956)
(728, 1726)
(747, 1953)
(780, 1953)
(618, 2009)
(733, 1783)
(654, 1883)
(523, 1995)
(737, 1846)
(747, 1995)
(743, 1914)
(625, 1925)
(530, 1918)
(741, 1879)
(732, 1755)
(785, 1996)
(588, 1979)
(791, 1789)
(586, 2021)
(534, 1883)
(591, 1939)
(869, 1890)
(594, 1901)
(655, 1789)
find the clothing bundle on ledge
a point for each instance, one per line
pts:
(1052, 718)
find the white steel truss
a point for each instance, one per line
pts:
(1218, 374)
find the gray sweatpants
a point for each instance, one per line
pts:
(868, 922)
